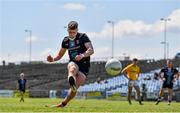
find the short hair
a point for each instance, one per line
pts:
(169, 60)
(72, 25)
(135, 59)
(22, 75)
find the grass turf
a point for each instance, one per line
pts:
(80, 105)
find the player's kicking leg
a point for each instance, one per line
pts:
(75, 78)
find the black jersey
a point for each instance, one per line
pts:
(22, 84)
(76, 47)
(169, 76)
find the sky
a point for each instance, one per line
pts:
(138, 30)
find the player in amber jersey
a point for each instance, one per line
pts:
(131, 72)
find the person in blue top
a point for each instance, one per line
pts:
(168, 75)
(22, 86)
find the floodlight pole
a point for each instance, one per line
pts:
(165, 35)
(30, 44)
(112, 23)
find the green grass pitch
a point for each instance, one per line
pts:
(80, 105)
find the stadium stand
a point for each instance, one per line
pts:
(119, 85)
(54, 76)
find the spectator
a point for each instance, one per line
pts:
(4, 63)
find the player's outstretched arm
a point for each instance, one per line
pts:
(88, 52)
(90, 49)
(61, 53)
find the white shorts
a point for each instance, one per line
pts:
(133, 83)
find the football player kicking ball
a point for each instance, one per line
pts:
(79, 49)
(168, 75)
